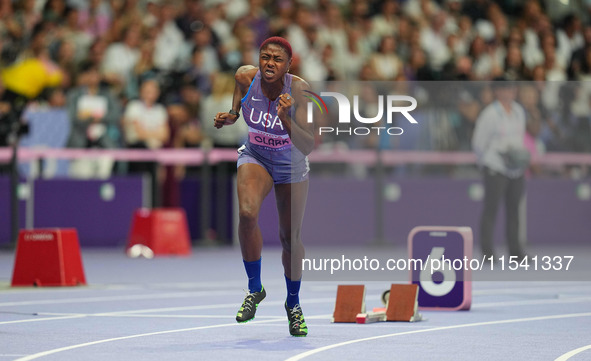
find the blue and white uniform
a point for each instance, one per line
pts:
(268, 142)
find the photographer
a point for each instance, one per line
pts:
(498, 143)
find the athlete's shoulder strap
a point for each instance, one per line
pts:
(257, 77)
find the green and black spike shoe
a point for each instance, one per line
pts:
(297, 324)
(249, 306)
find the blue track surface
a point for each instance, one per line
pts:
(184, 309)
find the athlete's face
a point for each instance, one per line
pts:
(273, 62)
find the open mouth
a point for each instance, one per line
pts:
(269, 72)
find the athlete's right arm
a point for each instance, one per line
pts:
(244, 76)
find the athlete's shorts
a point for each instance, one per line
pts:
(281, 174)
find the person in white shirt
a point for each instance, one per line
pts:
(145, 126)
(169, 42)
(145, 122)
(120, 58)
(499, 146)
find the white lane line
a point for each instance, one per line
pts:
(548, 287)
(533, 290)
(570, 354)
(209, 293)
(550, 301)
(9, 355)
(206, 307)
(146, 313)
(156, 316)
(133, 287)
(476, 324)
(192, 316)
(119, 298)
(132, 313)
(72, 347)
(42, 319)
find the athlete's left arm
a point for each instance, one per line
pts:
(300, 131)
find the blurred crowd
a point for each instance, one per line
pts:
(151, 74)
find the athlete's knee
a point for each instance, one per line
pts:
(248, 216)
(289, 239)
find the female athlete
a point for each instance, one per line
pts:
(272, 103)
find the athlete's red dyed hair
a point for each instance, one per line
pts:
(277, 40)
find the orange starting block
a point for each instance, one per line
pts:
(48, 257)
(350, 302)
(402, 305)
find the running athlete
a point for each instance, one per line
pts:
(279, 139)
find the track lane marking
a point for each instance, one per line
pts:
(572, 353)
(92, 343)
(465, 325)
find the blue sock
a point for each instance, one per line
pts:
(253, 271)
(293, 292)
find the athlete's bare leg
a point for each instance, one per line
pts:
(291, 204)
(254, 184)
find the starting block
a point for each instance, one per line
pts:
(350, 302)
(445, 280)
(160, 231)
(48, 257)
(402, 305)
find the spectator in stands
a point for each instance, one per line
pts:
(71, 30)
(35, 70)
(185, 132)
(130, 10)
(49, 127)
(195, 75)
(533, 38)
(94, 18)
(569, 37)
(579, 62)
(27, 17)
(145, 122)
(145, 126)
(355, 55)
(120, 58)
(11, 34)
(333, 31)
(96, 53)
(25, 79)
(514, 66)
(143, 70)
(257, 19)
(485, 63)
(204, 42)
(54, 10)
(386, 22)
(181, 132)
(434, 41)
(405, 33)
(169, 41)
(65, 58)
(555, 70)
(246, 49)
(529, 98)
(385, 63)
(188, 20)
(94, 113)
(477, 9)
(222, 92)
